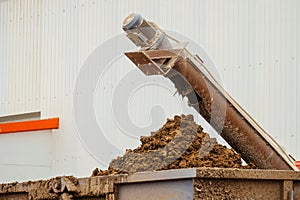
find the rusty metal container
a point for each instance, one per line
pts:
(181, 184)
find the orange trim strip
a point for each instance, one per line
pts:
(33, 125)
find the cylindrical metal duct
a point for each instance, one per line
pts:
(144, 33)
(234, 128)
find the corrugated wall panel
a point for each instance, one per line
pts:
(21, 55)
(3, 62)
(254, 44)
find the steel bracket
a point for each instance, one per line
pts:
(157, 62)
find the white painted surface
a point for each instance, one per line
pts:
(25, 156)
(43, 45)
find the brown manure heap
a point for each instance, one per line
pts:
(180, 143)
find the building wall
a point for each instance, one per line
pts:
(26, 156)
(44, 45)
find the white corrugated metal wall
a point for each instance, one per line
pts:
(43, 44)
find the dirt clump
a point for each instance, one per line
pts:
(180, 143)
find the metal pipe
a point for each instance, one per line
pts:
(234, 128)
